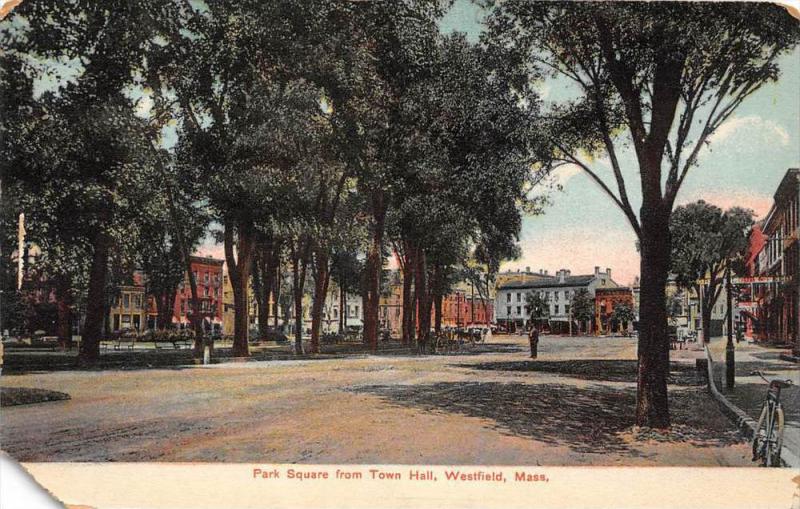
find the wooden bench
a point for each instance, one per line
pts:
(176, 343)
(124, 341)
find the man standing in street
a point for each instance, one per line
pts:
(533, 337)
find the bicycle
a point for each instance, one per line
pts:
(767, 440)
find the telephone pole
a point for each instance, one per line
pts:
(730, 366)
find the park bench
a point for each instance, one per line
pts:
(124, 341)
(176, 340)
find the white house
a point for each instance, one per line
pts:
(510, 303)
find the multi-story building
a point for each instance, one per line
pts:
(208, 276)
(511, 308)
(128, 310)
(777, 296)
(461, 308)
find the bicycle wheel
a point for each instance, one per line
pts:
(775, 445)
(760, 436)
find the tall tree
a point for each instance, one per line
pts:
(582, 308)
(706, 241)
(538, 308)
(661, 77)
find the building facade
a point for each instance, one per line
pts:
(208, 276)
(775, 295)
(463, 309)
(128, 311)
(511, 309)
(606, 301)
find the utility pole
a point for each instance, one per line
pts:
(730, 366)
(472, 302)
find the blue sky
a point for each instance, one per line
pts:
(743, 165)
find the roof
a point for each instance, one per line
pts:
(609, 289)
(551, 282)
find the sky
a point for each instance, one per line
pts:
(582, 228)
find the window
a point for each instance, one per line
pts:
(556, 309)
(335, 312)
(126, 300)
(566, 309)
(519, 310)
(508, 310)
(356, 308)
(508, 297)
(557, 292)
(519, 297)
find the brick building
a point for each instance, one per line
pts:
(208, 276)
(776, 293)
(606, 300)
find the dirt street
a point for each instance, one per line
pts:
(572, 406)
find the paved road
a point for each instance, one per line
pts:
(572, 406)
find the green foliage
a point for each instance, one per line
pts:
(582, 306)
(704, 238)
(538, 307)
(623, 313)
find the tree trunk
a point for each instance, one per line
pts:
(276, 286)
(298, 276)
(374, 267)
(436, 291)
(64, 303)
(261, 290)
(423, 300)
(239, 272)
(408, 297)
(652, 405)
(437, 309)
(365, 299)
(95, 299)
(321, 273)
(165, 304)
(195, 318)
(342, 303)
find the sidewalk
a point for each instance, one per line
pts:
(749, 391)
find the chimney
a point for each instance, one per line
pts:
(596, 270)
(567, 272)
(527, 270)
(608, 272)
(636, 281)
(561, 274)
(541, 271)
(545, 272)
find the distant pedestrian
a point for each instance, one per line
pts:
(533, 337)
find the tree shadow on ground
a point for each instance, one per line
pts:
(589, 419)
(767, 356)
(482, 348)
(586, 419)
(599, 370)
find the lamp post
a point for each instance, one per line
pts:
(730, 365)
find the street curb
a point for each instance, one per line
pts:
(744, 423)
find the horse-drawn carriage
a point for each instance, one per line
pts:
(453, 339)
